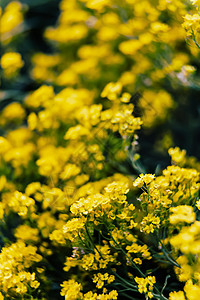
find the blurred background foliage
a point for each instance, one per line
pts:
(27, 40)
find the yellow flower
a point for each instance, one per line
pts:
(40, 97)
(11, 62)
(192, 24)
(75, 132)
(27, 233)
(198, 204)
(130, 47)
(98, 5)
(143, 179)
(67, 77)
(192, 290)
(32, 121)
(13, 112)
(100, 279)
(11, 17)
(70, 170)
(71, 290)
(182, 213)
(1, 211)
(64, 33)
(19, 203)
(149, 223)
(112, 90)
(176, 296)
(14, 262)
(145, 285)
(4, 145)
(195, 2)
(178, 156)
(187, 241)
(125, 98)
(73, 228)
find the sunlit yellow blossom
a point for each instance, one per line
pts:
(100, 279)
(125, 97)
(178, 156)
(143, 179)
(11, 17)
(65, 34)
(192, 24)
(187, 240)
(182, 213)
(27, 233)
(176, 296)
(14, 112)
(75, 132)
(70, 170)
(112, 90)
(98, 4)
(145, 285)
(125, 122)
(71, 290)
(4, 145)
(87, 205)
(130, 47)
(32, 121)
(67, 77)
(117, 191)
(11, 62)
(2, 182)
(73, 228)
(1, 211)
(40, 97)
(14, 263)
(149, 223)
(192, 290)
(198, 204)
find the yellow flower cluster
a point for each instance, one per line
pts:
(100, 278)
(11, 18)
(179, 157)
(73, 221)
(145, 285)
(71, 290)
(191, 23)
(177, 187)
(182, 213)
(108, 35)
(11, 62)
(15, 262)
(14, 113)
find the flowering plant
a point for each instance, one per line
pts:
(87, 209)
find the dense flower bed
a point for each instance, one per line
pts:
(81, 215)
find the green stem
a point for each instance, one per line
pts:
(128, 297)
(91, 241)
(194, 39)
(134, 265)
(161, 297)
(134, 288)
(169, 257)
